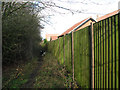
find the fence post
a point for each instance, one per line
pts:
(64, 48)
(0, 45)
(119, 47)
(59, 52)
(92, 38)
(73, 55)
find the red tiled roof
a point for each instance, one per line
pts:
(54, 37)
(107, 15)
(48, 35)
(74, 26)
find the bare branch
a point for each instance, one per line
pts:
(8, 8)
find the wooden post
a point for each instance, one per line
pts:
(64, 48)
(92, 38)
(59, 52)
(73, 55)
(0, 45)
(119, 47)
(68, 55)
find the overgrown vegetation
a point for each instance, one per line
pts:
(20, 32)
(46, 73)
(21, 29)
(14, 77)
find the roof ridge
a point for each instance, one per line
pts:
(75, 25)
(108, 15)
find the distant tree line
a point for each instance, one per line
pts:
(21, 29)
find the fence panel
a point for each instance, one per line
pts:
(106, 53)
(61, 53)
(82, 57)
(68, 54)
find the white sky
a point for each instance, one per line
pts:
(61, 22)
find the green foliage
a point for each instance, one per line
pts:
(45, 41)
(20, 32)
(18, 76)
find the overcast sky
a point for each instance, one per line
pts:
(61, 22)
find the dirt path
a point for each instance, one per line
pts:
(43, 73)
(46, 74)
(49, 74)
(31, 80)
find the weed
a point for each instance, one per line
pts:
(45, 74)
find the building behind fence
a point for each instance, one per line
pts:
(75, 52)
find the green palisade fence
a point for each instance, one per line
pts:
(106, 53)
